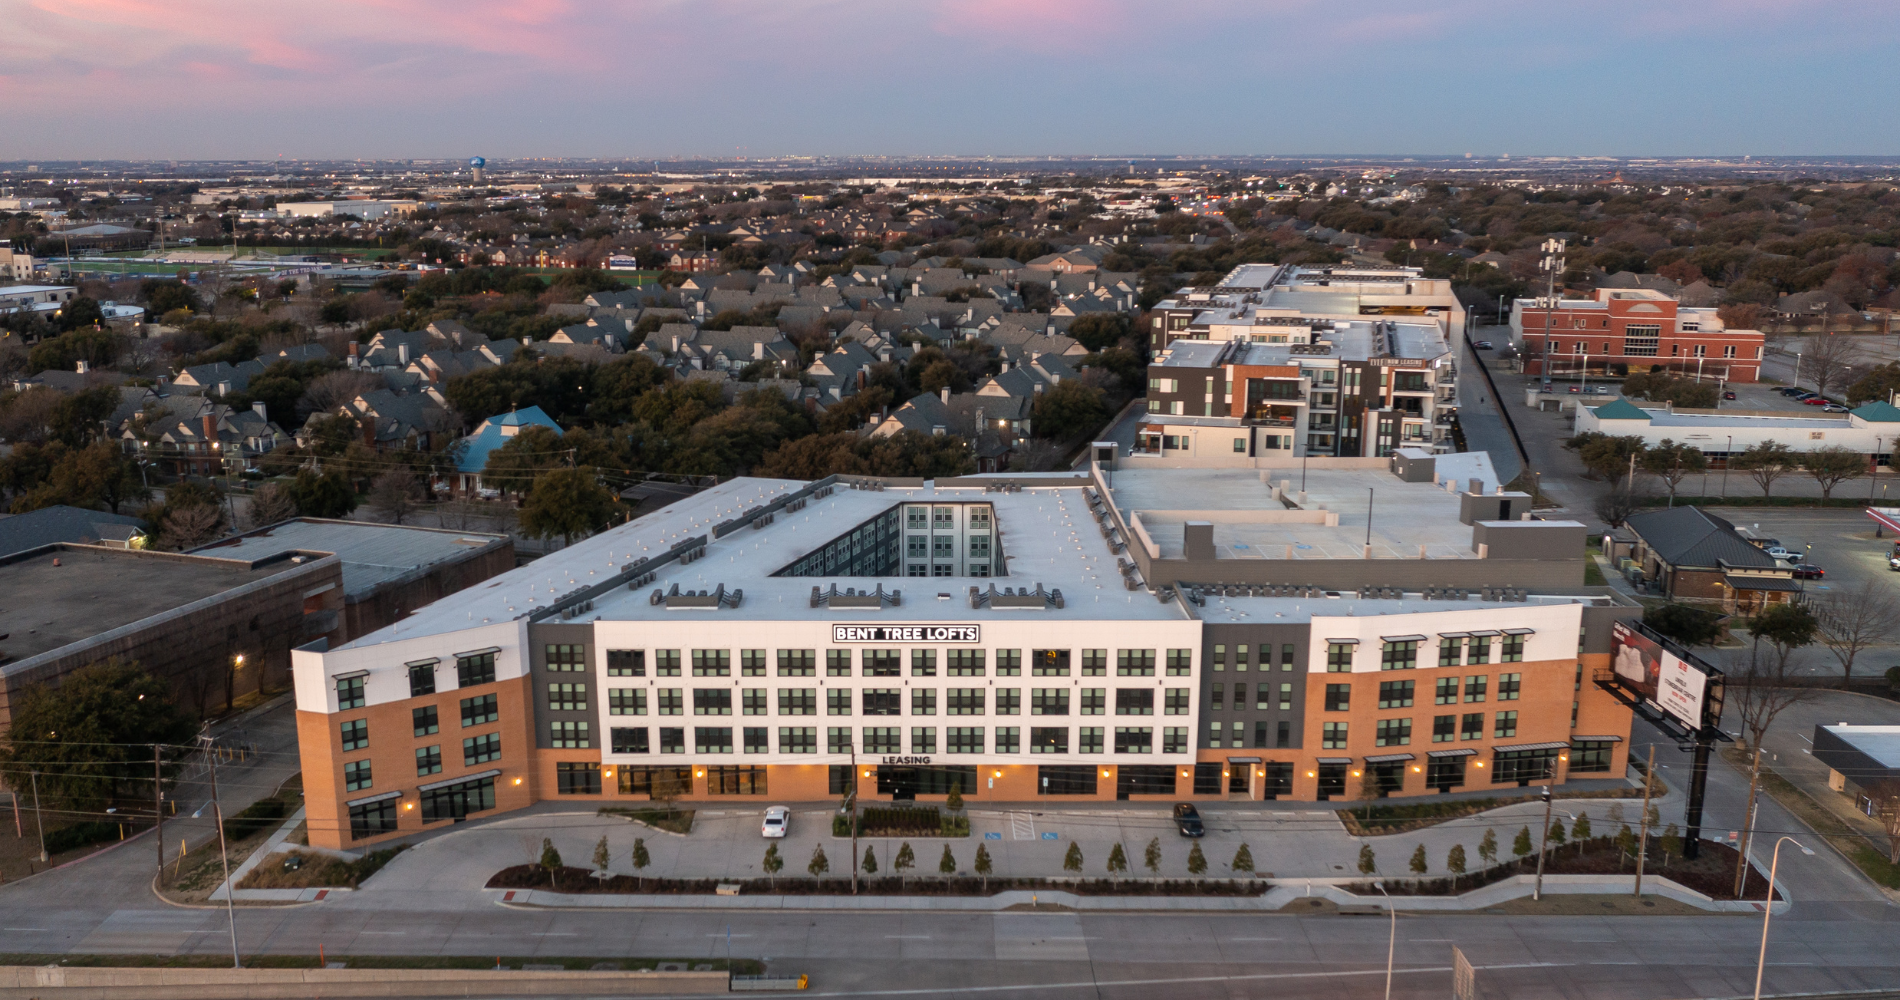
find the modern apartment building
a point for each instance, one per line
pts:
(1626, 330)
(1271, 303)
(1014, 636)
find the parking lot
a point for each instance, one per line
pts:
(1842, 543)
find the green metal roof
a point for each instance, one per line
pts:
(1620, 409)
(1878, 412)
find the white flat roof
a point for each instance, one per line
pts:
(1882, 743)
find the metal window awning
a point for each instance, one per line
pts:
(430, 662)
(351, 675)
(1535, 746)
(1596, 739)
(1520, 631)
(1402, 638)
(479, 652)
(479, 775)
(1334, 760)
(1243, 760)
(1483, 632)
(1460, 752)
(1454, 635)
(1387, 758)
(374, 798)
(1342, 642)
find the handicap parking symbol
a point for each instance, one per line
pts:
(1046, 835)
(992, 836)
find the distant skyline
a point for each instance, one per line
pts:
(209, 79)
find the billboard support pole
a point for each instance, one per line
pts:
(1698, 786)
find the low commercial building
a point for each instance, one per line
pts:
(1624, 331)
(1014, 636)
(1863, 763)
(368, 211)
(1871, 429)
(1688, 554)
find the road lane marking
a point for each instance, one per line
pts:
(387, 933)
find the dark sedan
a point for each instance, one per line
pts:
(1187, 819)
(1809, 571)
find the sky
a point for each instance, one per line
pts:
(256, 79)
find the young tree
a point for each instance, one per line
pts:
(1580, 830)
(1368, 862)
(1455, 864)
(984, 866)
(870, 859)
(1488, 848)
(1761, 690)
(1072, 861)
(819, 864)
(1833, 465)
(601, 857)
(567, 503)
(1555, 838)
(1767, 462)
(641, 859)
(667, 786)
(947, 865)
(395, 493)
(1117, 860)
(1852, 619)
(1418, 863)
(1197, 862)
(1243, 860)
(954, 801)
(1151, 857)
(550, 860)
(772, 864)
(1829, 361)
(269, 505)
(1615, 814)
(1521, 844)
(1671, 463)
(906, 860)
(1671, 842)
(1687, 625)
(190, 527)
(1626, 841)
(1618, 504)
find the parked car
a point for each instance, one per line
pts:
(1598, 390)
(1187, 819)
(1893, 563)
(1781, 553)
(1728, 395)
(1788, 390)
(1482, 345)
(1576, 388)
(1809, 571)
(1816, 400)
(1833, 408)
(777, 820)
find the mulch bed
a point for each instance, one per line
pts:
(1712, 874)
(580, 882)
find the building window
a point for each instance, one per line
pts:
(1392, 733)
(426, 721)
(1174, 739)
(1511, 649)
(1522, 765)
(882, 701)
(1009, 663)
(479, 710)
(1338, 697)
(672, 739)
(882, 740)
(458, 800)
(355, 734)
(349, 693)
(629, 740)
(712, 663)
(1283, 735)
(1339, 657)
(1092, 701)
(1402, 655)
(1446, 691)
(1510, 686)
(752, 662)
(569, 735)
(356, 776)
(963, 701)
(626, 701)
(923, 701)
(1052, 662)
(1472, 726)
(1134, 739)
(481, 749)
(712, 701)
(428, 760)
(1240, 444)
(372, 819)
(421, 679)
(1176, 701)
(1135, 701)
(838, 701)
(1048, 701)
(1590, 757)
(1134, 663)
(1506, 726)
(754, 738)
(1181, 663)
(1009, 701)
(923, 739)
(1217, 696)
(1048, 740)
(572, 778)
(1090, 740)
(570, 657)
(1640, 341)
(731, 780)
(963, 662)
(1444, 728)
(669, 701)
(1449, 652)
(883, 663)
(963, 739)
(798, 739)
(798, 701)
(626, 663)
(1332, 736)
(712, 739)
(923, 663)
(473, 670)
(1095, 663)
(1478, 650)
(1395, 694)
(666, 663)
(567, 697)
(1474, 687)
(804, 662)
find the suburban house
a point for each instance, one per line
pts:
(472, 451)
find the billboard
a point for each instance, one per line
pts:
(1658, 676)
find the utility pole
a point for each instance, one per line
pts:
(158, 808)
(1543, 844)
(38, 819)
(1748, 828)
(1642, 842)
(224, 855)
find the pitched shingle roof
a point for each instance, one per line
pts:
(1691, 536)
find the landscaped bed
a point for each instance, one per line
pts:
(581, 881)
(1375, 820)
(308, 870)
(1712, 873)
(671, 820)
(917, 821)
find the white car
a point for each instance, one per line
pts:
(777, 820)
(1780, 553)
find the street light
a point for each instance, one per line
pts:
(1391, 942)
(1768, 907)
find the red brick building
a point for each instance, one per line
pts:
(1625, 331)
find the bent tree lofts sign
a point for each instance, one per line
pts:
(906, 633)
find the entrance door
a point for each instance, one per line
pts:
(1240, 781)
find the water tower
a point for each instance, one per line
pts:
(476, 165)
